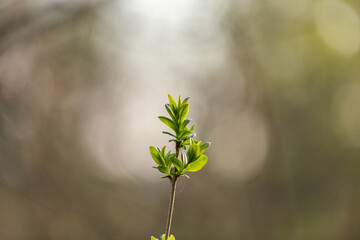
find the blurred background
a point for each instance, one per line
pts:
(273, 84)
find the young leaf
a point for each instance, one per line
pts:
(170, 238)
(194, 152)
(177, 163)
(168, 160)
(204, 146)
(167, 154)
(184, 133)
(168, 109)
(185, 100)
(168, 123)
(179, 101)
(162, 157)
(172, 104)
(197, 165)
(185, 123)
(163, 151)
(156, 156)
(164, 132)
(186, 142)
(163, 169)
(191, 152)
(152, 238)
(183, 112)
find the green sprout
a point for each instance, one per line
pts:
(188, 154)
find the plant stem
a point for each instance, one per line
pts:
(171, 207)
(177, 147)
(173, 182)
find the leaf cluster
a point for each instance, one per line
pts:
(163, 237)
(193, 160)
(178, 121)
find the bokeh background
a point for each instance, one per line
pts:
(273, 84)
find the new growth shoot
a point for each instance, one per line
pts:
(188, 154)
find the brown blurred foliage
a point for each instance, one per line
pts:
(274, 85)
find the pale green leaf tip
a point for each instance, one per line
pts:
(171, 97)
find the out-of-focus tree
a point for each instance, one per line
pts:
(277, 88)
(51, 77)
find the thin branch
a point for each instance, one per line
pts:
(173, 182)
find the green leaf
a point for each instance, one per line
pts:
(162, 155)
(186, 142)
(192, 128)
(197, 165)
(163, 151)
(179, 101)
(184, 133)
(204, 146)
(164, 132)
(172, 104)
(183, 113)
(169, 238)
(188, 137)
(192, 135)
(168, 160)
(163, 169)
(153, 238)
(168, 123)
(191, 153)
(168, 109)
(185, 123)
(156, 156)
(177, 163)
(194, 152)
(165, 158)
(167, 154)
(185, 101)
